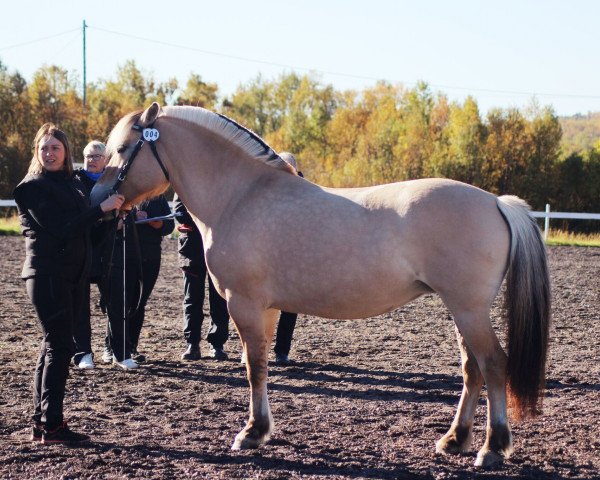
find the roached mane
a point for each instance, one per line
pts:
(230, 130)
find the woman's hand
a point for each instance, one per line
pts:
(113, 202)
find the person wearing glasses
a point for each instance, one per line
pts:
(94, 162)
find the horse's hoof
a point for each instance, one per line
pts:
(245, 441)
(454, 442)
(448, 447)
(489, 459)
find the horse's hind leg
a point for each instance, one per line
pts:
(254, 326)
(480, 340)
(458, 438)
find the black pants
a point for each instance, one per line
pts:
(118, 332)
(150, 271)
(193, 315)
(285, 331)
(83, 328)
(56, 302)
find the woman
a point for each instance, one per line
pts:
(94, 161)
(56, 220)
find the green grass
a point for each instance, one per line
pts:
(10, 226)
(559, 237)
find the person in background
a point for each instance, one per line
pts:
(56, 219)
(94, 161)
(193, 265)
(150, 236)
(287, 320)
(142, 266)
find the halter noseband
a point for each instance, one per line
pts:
(149, 134)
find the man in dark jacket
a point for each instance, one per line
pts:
(142, 266)
(193, 264)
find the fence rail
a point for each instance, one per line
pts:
(546, 215)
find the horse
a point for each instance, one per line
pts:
(275, 241)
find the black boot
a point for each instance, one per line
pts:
(192, 352)
(62, 434)
(217, 353)
(36, 432)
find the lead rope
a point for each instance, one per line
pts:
(124, 288)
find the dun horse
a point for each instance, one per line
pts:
(274, 241)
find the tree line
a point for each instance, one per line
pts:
(385, 133)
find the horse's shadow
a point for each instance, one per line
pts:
(327, 379)
(265, 460)
(324, 464)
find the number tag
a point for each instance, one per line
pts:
(150, 134)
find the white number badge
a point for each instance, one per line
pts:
(150, 134)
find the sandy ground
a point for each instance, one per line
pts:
(364, 398)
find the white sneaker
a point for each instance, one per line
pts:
(127, 364)
(86, 362)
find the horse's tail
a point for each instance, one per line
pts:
(527, 306)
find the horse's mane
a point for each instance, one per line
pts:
(232, 131)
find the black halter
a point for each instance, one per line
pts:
(149, 134)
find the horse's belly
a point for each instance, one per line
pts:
(357, 298)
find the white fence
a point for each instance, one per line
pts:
(547, 215)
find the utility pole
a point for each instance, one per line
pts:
(84, 65)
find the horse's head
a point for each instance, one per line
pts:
(135, 168)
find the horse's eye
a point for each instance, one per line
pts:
(121, 148)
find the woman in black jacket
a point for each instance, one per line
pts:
(56, 220)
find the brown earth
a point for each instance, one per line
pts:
(365, 398)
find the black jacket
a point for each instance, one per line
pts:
(191, 249)
(143, 242)
(56, 220)
(100, 233)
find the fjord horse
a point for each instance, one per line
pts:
(274, 241)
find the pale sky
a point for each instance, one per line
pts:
(503, 53)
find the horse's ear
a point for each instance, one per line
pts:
(150, 114)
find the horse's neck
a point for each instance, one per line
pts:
(209, 175)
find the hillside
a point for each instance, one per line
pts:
(580, 132)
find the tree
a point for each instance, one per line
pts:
(198, 93)
(464, 137)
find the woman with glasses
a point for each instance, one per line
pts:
(94, 161)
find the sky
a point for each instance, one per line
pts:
(505, 54)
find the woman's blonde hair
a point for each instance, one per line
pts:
(36, 167)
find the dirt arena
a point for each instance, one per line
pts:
(364, 399)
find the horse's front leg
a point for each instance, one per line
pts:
(255, 327)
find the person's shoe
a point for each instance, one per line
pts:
(217, 353)
(243, 358)
(138, 357)
(192, 352)
(36, 432)
(282, 359)
(107, 355)
(63, 434)
(86, 362)
(127, 364)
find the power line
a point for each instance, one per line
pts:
(16, 45)
(307, 69)
(340, 74)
